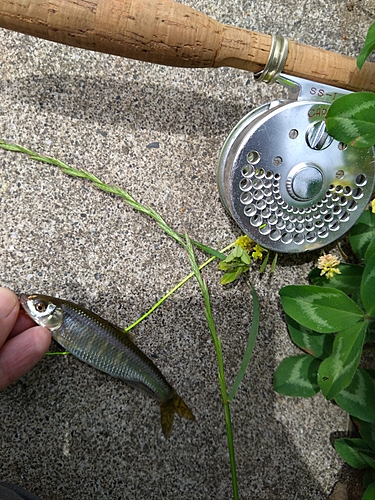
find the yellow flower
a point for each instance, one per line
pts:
(257, 252)
(328, 265)
(373, 206)
(245, 242)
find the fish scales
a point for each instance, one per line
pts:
(105, 346)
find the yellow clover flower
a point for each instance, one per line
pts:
(245, 242)
(328, 265)
(257, 252)
(373, 206)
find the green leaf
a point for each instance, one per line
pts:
(237, 252)
(245, 257)
(297, 376)
(337, 371)
(358, 398)
(362, 233)
(231, 276)
(368, 287)
(370, 250)
(351, 119)
(232, 266)
(368, 47)
(274, 262)
(370, 492)
(224, 266)
(264, 263)
(370, 334)
(349, 281)
(367, 431)
(209, 250)
(368, 477)
(230, 257)
(317, 344)
(355, 452)
(324, 310)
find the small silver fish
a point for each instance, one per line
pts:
(105, 346)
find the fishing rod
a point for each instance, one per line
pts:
(173, 34)
(298, 192)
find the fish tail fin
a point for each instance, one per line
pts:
(168, 408)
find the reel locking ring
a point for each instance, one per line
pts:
(276, 61)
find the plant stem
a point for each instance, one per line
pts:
(176, 287)
(57, 353)
(187, 244)
(166, 296)
(220, 362)
(232, 458)
(250, 345)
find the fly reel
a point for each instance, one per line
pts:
(287, 183)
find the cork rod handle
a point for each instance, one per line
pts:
(173, 34)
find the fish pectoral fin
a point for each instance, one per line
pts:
(168, 408)
(130, 335)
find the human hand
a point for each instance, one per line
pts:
(22, 344)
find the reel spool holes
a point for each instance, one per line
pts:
(286, 182)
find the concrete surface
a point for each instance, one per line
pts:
(70, 432)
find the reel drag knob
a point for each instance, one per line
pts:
(304, 182)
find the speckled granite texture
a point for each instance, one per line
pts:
(69, 432)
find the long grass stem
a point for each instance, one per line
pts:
(186, 243)
(220, 361)
(182, 282)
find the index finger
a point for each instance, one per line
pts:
(23, 322)
(9, 308)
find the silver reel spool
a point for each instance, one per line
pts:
(288, 184)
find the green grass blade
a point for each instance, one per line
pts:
(167, 295)
(62, 353)
(274, 262)
(212, 251)
(250, 344)
(219, 355)
(187, 244)
(264, 263)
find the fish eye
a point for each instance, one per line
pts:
(41, 306)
